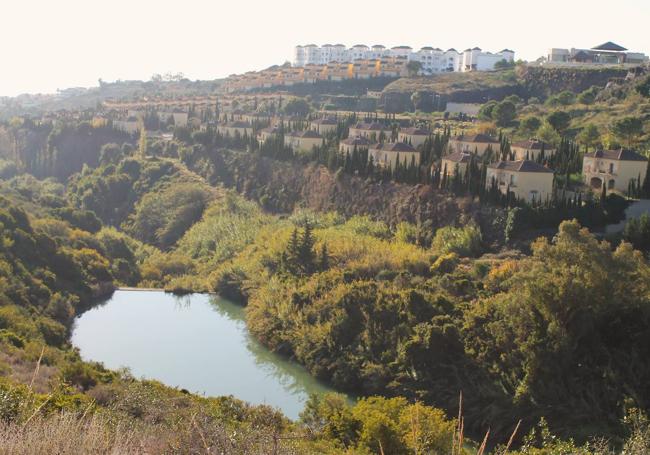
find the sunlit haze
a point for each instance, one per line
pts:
(54, 45)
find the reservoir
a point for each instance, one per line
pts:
(198, 342)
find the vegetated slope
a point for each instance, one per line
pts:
(479, 87)
(46, 150)
(281, 187)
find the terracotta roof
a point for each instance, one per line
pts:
(533, 144)
(609, 46)
(369, 126)
(506, 50)
(270, 130)
(427, 48)
(402, 47)
(458, 157)
(357, 140)
(619, 155)
(477, 48)
(325, 121)
(238, 124)
(476, 138)
(520, 166)
(394, 147)
(379, 45)
(413, 131)
(306, 134)
(452, 50)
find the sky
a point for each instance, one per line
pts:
(49, 45)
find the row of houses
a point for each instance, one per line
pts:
(286, 76)
(432, 60)
(521, 174)
(528, 180)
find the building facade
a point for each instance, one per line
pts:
(389, 154)
(608, 53)
(527, 180)
(475, 143)
(432, 60)
(531, 150)
(613, 168)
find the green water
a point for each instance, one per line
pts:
(197, 342)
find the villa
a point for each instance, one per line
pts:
(531, 149)
(615, 168)
(389, 154)
(457, 160)
(348, 145)
(324, 125)
(303, 141)
(476, 143)
(527, 180)
(265, 134)
(235, 128)
(413, 136)
(368, 130)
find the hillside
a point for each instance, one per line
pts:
(479, 87)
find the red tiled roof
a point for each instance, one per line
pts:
(477, 138)
(520, 166)
(619, 155)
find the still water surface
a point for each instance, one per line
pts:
(198, 342)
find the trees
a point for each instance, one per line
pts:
(504, 113)
(589, 136)
(416, 99)
(297, 106)
(530, 125)
(485, 112)
(589, 95)
(548, 134)
(559, 120)
(628, 129)
(413, 67)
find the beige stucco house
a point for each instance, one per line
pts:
(413, 136)
(527, 180)
(266, 133)
(458, 160)
(347, 145)
(324, 125)
(371, 131)
(531, 149)
(475, 143)
(389, 153)
(303, 141)
(234, 128)
(615, 168)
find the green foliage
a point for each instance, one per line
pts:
(559, 120)
(628, 129)
(296, 106)
(465, 241)
(504, 113)
(161, 218)
(637, 232)
(530, 125)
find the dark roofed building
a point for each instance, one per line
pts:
(609, 46)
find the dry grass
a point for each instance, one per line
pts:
(73, 434)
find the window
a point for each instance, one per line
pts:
(611, 168)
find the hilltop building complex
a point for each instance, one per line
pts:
(432, 60)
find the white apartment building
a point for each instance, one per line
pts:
(433, 60)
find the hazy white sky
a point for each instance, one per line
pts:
(57, 44)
